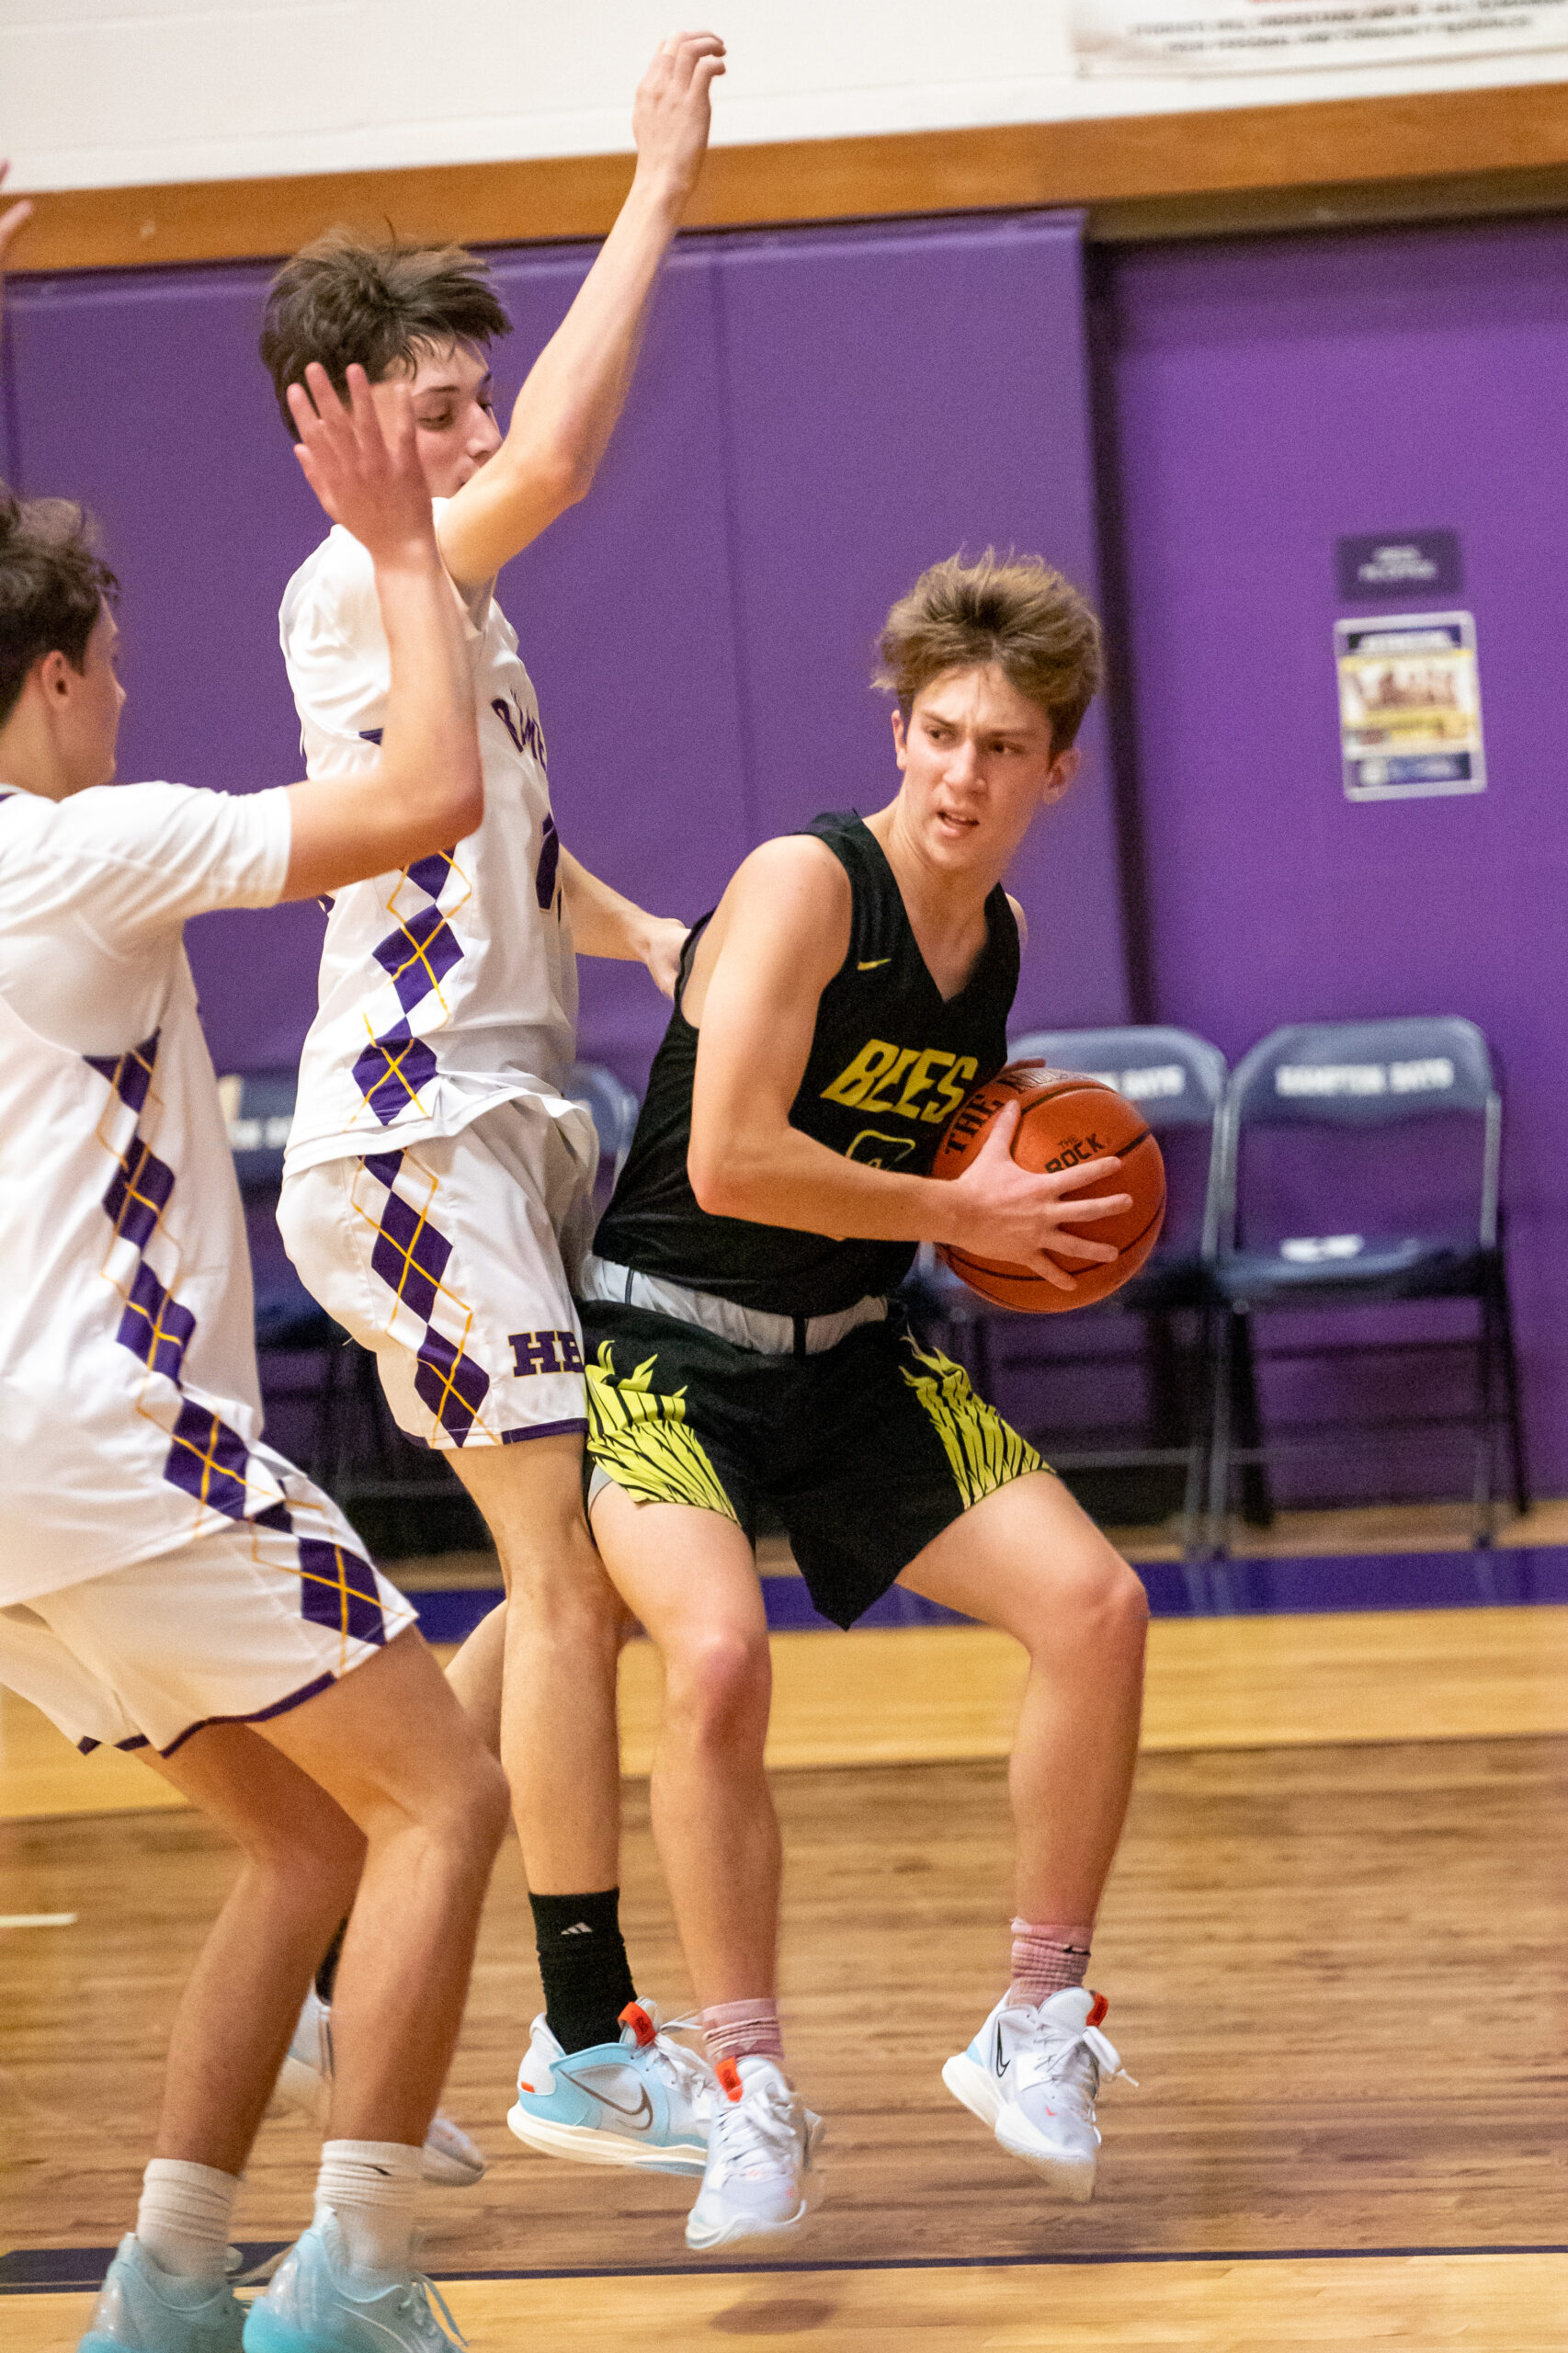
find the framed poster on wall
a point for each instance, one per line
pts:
(1409, 706)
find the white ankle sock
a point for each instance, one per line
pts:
(372, 2186)
(183, 2220)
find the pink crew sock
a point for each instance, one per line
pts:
(742, 2030)
(1048, 1957)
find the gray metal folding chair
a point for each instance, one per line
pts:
(1359, 1165)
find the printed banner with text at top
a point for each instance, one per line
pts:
(1143, 36)
(1409, 706)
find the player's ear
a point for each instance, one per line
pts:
(54, 674)
(901, 750)
(1063, 769)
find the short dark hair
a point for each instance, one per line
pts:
(341, 300)
(1015, 611)
(52, 587)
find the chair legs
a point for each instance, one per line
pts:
(1222, 1395)
(1257, 1502)
(1236, 1426)
(1509, 1361)
(1485, 1422)
(1199, 1438)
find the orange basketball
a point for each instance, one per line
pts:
(1064, 1118)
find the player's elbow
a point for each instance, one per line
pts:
(448, 808)
(717, 1179)
(553, 475)
(468, 797)
(572, 478)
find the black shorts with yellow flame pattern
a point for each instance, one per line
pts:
(865, 1452)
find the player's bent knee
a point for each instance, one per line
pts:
(470, 1815)
(718, 1686)
(1113, 1604)
(1098, 1601)
(569, 1607)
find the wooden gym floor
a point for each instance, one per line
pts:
(1334, 1948)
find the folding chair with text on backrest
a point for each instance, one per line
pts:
(1358, 1166)
(1177, 1081)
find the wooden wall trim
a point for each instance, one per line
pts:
(1128, 168)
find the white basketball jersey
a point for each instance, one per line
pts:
(451, 985)
(130, 1414)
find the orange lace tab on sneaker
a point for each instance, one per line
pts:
(729, 2075)
(1100, 2012)
(641, 2025)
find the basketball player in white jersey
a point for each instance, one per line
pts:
(168, 1583)
(437, 1181)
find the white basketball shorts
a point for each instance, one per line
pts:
(234, 1628)
(451, 1260)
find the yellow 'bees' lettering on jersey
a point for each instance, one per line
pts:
(883, 1077)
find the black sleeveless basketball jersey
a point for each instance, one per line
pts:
(891, 1062)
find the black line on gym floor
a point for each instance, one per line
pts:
(84, 2266)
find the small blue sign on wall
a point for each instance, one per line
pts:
(1399, 564)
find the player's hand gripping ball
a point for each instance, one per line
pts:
(1064, 1118)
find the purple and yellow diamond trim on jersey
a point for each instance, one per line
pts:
(207, 1459)
(416, 956)
(411, 1256)
(154, 1326)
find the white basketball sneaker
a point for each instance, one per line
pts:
(304, 2081)
(758, 2180)
(1032, 2073)
(644, 2101)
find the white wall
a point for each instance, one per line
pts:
(99, 93)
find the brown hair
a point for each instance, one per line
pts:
(52, 587)
(341, 300)
(1018, 613)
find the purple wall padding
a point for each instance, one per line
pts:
(817, 415)
(1269, 397)
(141, 394)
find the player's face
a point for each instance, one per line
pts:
(86, 705)
(978, 766)
(455, 427)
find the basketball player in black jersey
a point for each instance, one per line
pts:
(851, 987)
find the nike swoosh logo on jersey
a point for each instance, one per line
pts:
(874, 962)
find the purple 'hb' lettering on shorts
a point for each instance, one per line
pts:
(545, 1352)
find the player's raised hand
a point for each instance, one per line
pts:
(1010, 1214)
(672, 112)
(14, 217)
(358, 457)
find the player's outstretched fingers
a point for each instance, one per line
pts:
(360, 457)
(14, 217)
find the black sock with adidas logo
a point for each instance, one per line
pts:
(582, 1959)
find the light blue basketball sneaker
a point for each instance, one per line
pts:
(317, 2304)
(141, 2308)
(645, 2101)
